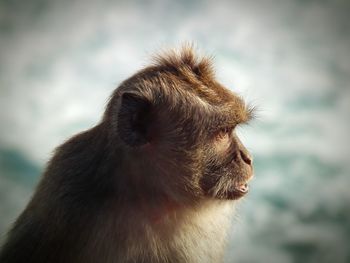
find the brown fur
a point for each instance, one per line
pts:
(154, 181)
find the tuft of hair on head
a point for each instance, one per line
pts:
(185, 61)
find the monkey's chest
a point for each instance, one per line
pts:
(199, 236)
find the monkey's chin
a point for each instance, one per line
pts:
(238, 191)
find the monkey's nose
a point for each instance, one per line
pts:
(246, 157)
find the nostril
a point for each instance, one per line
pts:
(246, 157)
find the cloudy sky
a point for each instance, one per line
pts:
(60, 61)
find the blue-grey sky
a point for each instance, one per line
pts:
(60, 61)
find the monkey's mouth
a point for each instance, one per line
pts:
(243, 188)
(238, 191)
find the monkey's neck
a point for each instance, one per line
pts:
(163, 210)
(173, 232)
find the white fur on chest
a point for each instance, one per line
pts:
(187, 235)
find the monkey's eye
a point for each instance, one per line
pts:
(223, 133)
(222, 139)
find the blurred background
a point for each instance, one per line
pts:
(60, 61)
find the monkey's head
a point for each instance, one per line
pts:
(176, 127)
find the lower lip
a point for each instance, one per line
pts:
(244, 188)
(241, 191)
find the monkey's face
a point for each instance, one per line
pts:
(209, 154)
(227, 166)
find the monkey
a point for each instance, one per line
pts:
(154, 181)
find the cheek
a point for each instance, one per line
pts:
(220, 160)
(221, 146)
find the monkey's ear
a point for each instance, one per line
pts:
(134, 119)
